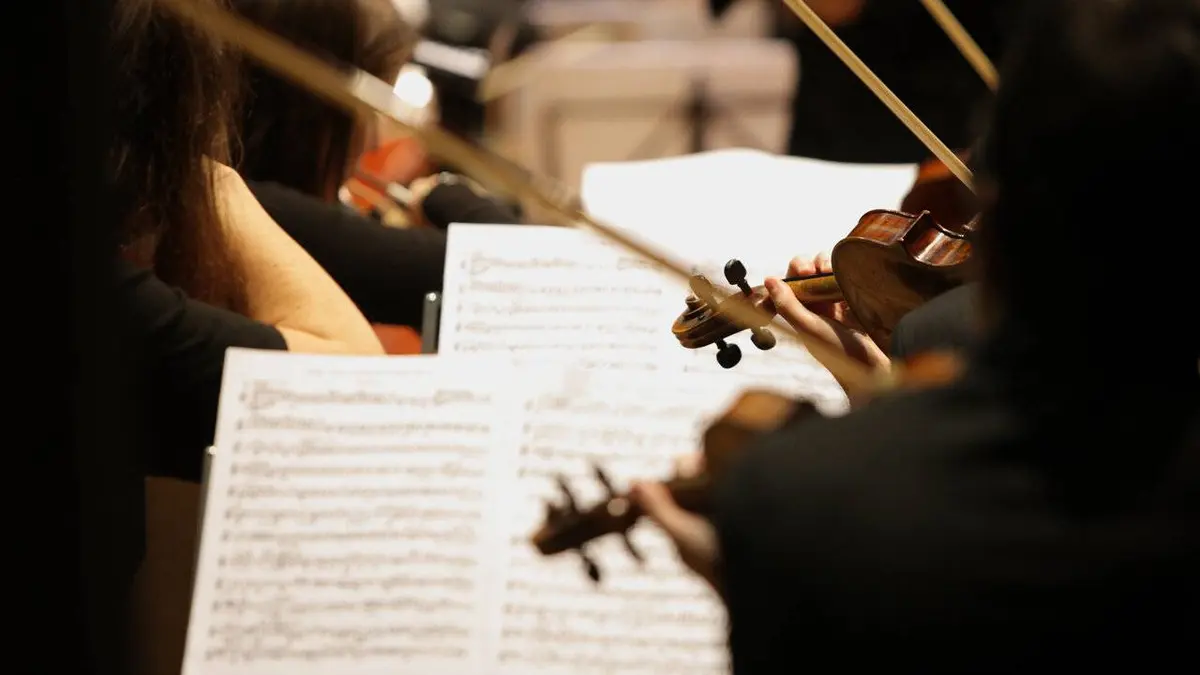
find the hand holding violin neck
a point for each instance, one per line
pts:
(816, 288)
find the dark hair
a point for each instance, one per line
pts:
(290, 136)
(1094, 131)
(176, 101)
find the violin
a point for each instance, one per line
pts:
(399, 161)
(567, 528)
(889, 264)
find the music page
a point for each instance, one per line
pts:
(350, 521)
(372, 515)
(737, 203)
(539, 295)
(645, 619)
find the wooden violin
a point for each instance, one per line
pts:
(568, 528)
(890, 264)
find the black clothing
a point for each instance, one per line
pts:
(385, 270)
(78, 535)
(452, 203)
(182, 343)
(1035, 516)
(948, 322)
(837, 118)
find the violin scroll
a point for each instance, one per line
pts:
(567, 528)
(705, 320)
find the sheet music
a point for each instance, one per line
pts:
(533, 293)
(543, 295)
(372, 515)
(349, 526)
(643, 620)
(746, 204)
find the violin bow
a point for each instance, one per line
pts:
(967, 46)
(902, 112)
(359, 92)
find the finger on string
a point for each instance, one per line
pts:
(823, 264)
(801, 266)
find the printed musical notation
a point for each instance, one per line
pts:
(590, 300)
(347, 517)
(593, 306)
(380, 522)
(649, 619)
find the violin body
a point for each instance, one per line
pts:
(891, 263)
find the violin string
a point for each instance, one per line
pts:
(872, 81)
(359, 92)
(967, 46)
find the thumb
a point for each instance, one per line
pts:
(788, 306)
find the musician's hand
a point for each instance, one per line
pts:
(694, 537)
(420, 189)
(829, 320)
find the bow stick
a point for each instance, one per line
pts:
(893, 102)
(967, 46)
(359, 92)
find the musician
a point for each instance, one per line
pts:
(204, 267)
(297, 150)
(1039, 513)
(836, 118)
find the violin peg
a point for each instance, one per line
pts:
(728, 355)
(604, 480)
(735, 274)
(569, 502)
(633, 551)
(590, 567)
(762, 338)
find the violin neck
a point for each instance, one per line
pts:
(692, 493)
(818, 288)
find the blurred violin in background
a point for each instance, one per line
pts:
(394, 157)
(569, 528)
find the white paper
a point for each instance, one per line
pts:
(641, 620)
(349, 526)
(760, 208)
(372, 515)
(541, 295)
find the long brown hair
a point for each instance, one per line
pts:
(291, 137)
(177, 100)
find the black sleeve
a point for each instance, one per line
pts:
(386, 271)
(182, 344)
(948, 322)
(456, 203)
